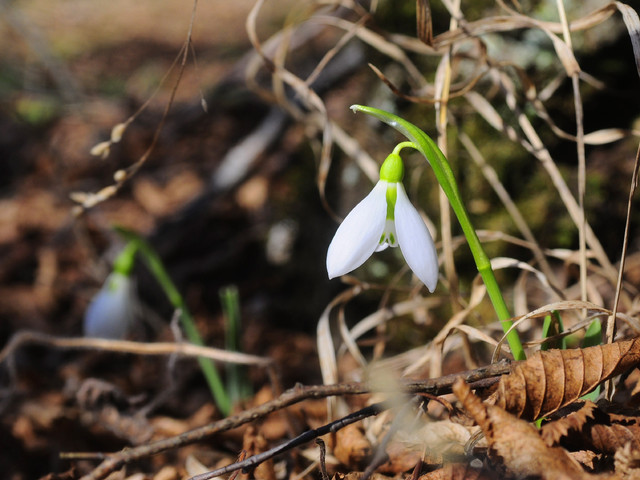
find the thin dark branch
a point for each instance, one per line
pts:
(301, 439)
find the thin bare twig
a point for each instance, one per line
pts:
(611, 322)
(20, 339)
(86, 200)
(479, 377)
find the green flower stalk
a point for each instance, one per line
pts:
(444, 174)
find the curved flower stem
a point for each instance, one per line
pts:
(442, 170)
(155, 265)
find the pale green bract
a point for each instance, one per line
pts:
(385, 218)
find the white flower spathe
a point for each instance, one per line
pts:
(367, 229)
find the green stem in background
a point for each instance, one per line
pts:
(237, 384)
(153, 262)
(442, 170)
(551, 327)
(593, 337)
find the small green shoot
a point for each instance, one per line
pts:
(238, 386)
(551, 327)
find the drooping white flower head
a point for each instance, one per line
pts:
(111, 313)
(385, 218)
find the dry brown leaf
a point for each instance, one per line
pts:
(627, 462)
(434, 443)
(610, 438)
(457, 471)
(352, 447)
(553, 379)
(358, 476)
(516, 442)
(552, 432)
(585, 457)
(168, 472)
(401, 458)
(254, 443)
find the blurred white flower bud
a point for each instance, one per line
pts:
(111, 313)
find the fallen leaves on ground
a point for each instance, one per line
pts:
(553, 379)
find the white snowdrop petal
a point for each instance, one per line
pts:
(415, 241)
(359, 234)
(110, 313)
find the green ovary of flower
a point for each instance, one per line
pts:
(392, 169)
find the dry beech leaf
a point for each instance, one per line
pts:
(553, 379)
(516, 442)
(552, 432)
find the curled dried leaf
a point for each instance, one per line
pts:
(553, 379)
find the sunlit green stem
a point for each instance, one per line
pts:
(156, 267)
(442, 170)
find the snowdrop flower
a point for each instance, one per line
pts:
(385, 218)
(111, 312)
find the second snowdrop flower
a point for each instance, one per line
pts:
(111, 313)
(385, 218)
